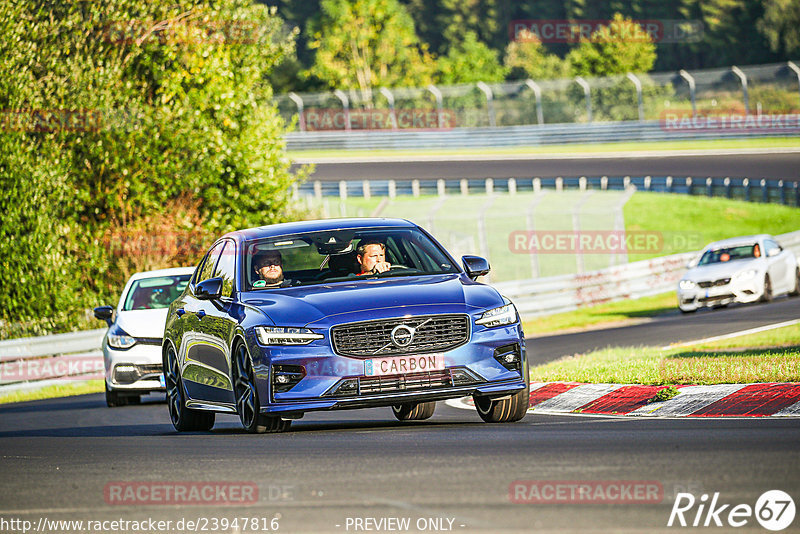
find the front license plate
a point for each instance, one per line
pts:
(398, 365)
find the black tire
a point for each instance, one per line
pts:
(247, 404)
(506, 410)
(114, 399)
(767, 295)
(183, 419)
(796, 291)
(687, 311)
(414, 412)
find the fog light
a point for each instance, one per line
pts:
(285, 377)
(346, 387)
(509, 356)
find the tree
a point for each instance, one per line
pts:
(527, 58)
(780, 25)
(621, 47)
(470, 61)
(362, 44)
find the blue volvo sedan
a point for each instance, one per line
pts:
(336, 314)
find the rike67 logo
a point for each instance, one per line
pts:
(774, 510)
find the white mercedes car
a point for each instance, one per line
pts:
(132, 344)
(740, 269)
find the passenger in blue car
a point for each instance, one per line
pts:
(372, 257)
(269, 266)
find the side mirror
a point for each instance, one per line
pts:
(693, 263)
(475, 266)
(209, 289)
(104, 313)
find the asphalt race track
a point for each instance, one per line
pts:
(60, 457)
(669, 328)
(778, 166)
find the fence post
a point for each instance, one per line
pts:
(345, 106)
(342, 189)
(626, 182)
(669, 184)
(512, 186)
(690, 80)
(537, 92)
(638, 86)
(782, 192)
(728, 192)
(537, 185)
(464, 186)
(489, 103)
(582, 183)
(415, 188)
(440, 187)
(647, 180)
(587, 93)
(796, 70)
(709, 187)
(764, 191)
(489, 184)
(392, 189)
(390, 98)
(604, 183)
(437, 94)
(318, 189)
(746, 186)
(689, 184)
(365, 187)
(301, 117)
(738, 72)
(559, 184)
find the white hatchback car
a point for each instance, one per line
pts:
(132, 344)
(740, 269)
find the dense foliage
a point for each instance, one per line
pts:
(133, 133)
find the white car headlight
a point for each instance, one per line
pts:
(121, 341)
(278, 335)
(498, 316)
(687, 284)
(746, 275)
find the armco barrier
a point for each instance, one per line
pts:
(534, 297)
(527, 135)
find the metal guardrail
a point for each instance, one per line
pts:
(77, 355)
(527, 135)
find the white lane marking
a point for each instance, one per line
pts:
(553, 155)
(577, 397)
(733, 334)
(689, 400)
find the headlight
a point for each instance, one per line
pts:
(278, 335)
(498, 316)
(121, 340)
(746, 275)
(686, 284)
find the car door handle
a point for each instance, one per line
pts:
(180, 312)
(201, 314)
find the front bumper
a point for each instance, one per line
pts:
(138, 368)
(734, 291)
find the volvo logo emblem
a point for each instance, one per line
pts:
(402, 336)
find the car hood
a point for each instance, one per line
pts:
(143, 323)
(326, 304)
(727, 269)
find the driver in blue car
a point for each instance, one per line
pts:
(371, 256)
(269, 266)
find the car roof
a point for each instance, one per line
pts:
(162, 272)
(298, 227)
(741, 240)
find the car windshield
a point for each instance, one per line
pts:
(333, 256)
(155, 293)
(721, 255)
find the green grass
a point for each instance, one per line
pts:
(688, 223)
(602, 314)
(715, 144)
(772, 356)
(61, 390)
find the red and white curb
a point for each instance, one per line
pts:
(724, 400)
